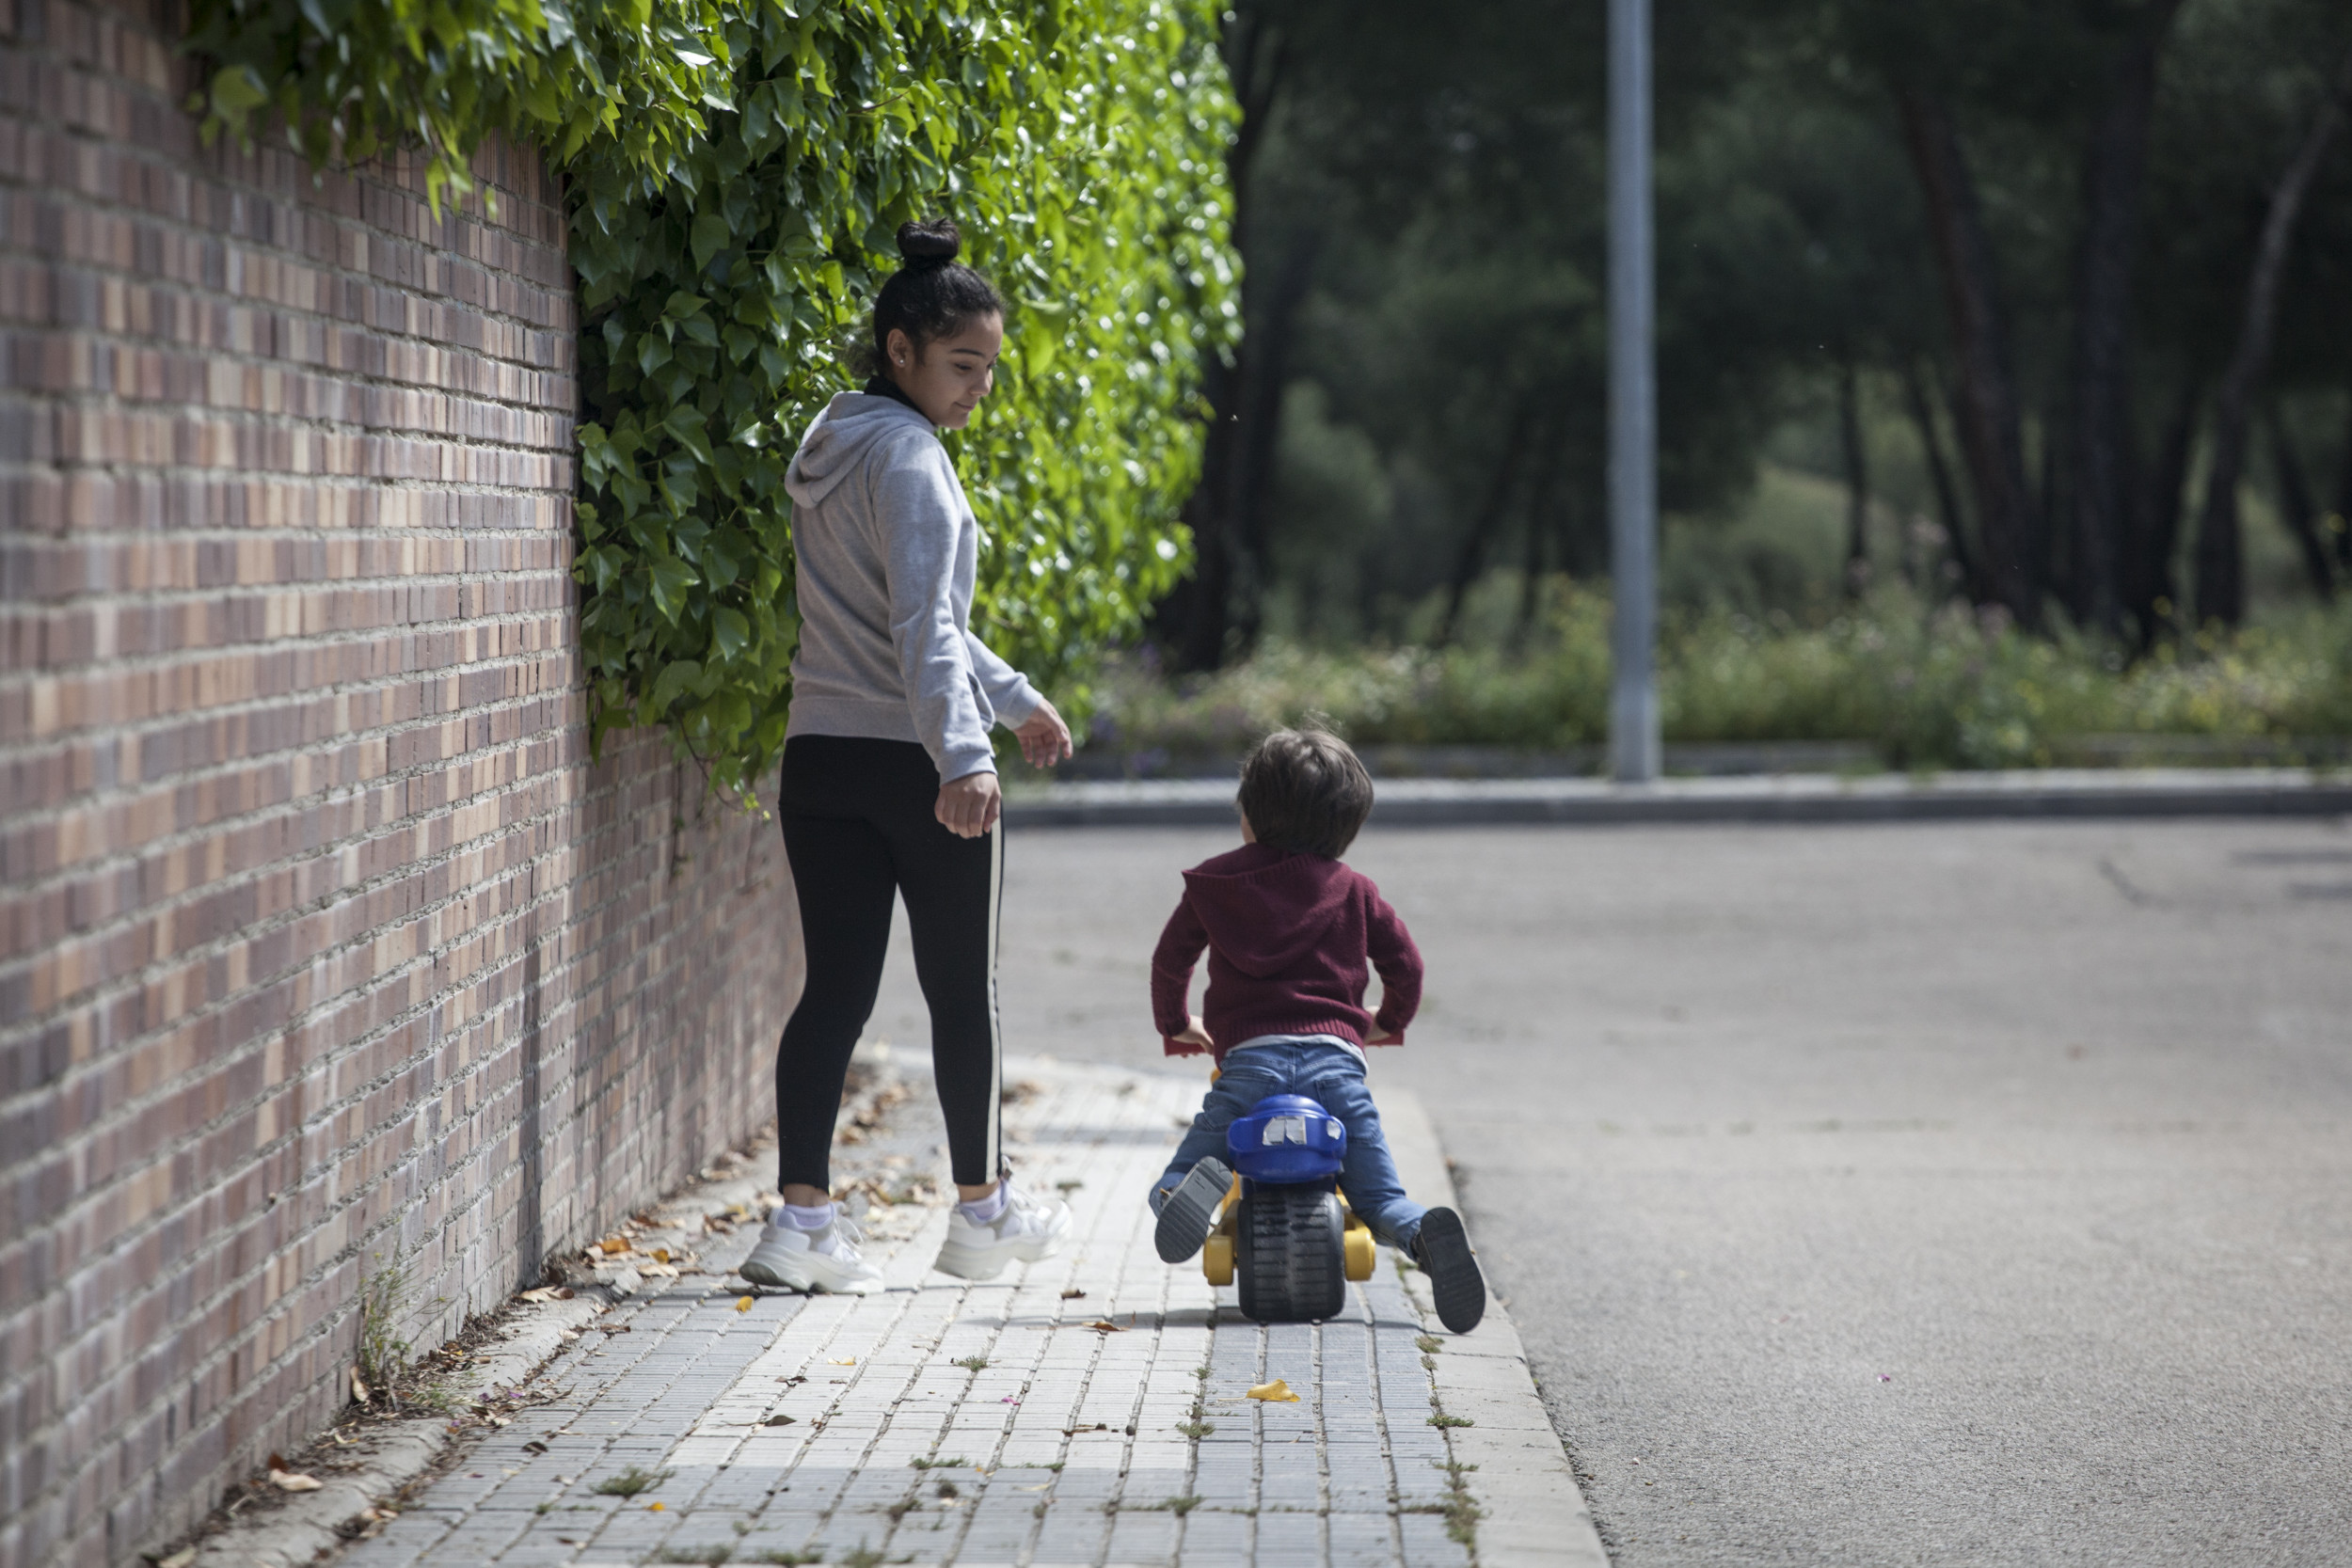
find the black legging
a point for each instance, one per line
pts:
(859, 828)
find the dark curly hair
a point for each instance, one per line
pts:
(932, 296)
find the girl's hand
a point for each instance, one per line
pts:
(969, 807)
(1195, 1034)
(1044, 738)
(1379, 1037)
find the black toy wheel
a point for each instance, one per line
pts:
(1290, 1255)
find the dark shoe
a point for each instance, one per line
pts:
(1186, 1217)
(1443, 1251)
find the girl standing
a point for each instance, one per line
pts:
(889, 781)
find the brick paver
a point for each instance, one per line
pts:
(976, 1424)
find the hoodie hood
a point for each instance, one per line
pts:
(1241, 897)
(839, 439)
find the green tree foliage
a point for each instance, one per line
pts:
(1442, 171)
(730, 230)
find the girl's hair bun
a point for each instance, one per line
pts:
(933, 242)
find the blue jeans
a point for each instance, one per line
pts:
(1331, 1075)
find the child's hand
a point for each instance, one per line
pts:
(1379, 1037)
(1195, 1034)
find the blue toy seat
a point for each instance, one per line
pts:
(1287, 1138)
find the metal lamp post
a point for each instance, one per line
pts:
(1633, 739)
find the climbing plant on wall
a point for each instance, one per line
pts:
(736, 174)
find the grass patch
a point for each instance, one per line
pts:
(1430, 1344)
(861, 1556)
(1442, 1420)
(693, 1554)
(631, 1481)
(1181, 1506)
(788, 1558)
(922, 1464)
(971, 1363)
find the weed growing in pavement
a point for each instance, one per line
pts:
(788, 1558)
(922, 1464)
(1430, 1344)
(385, 1365)
(949, 1489)
(861, 1556)
(1442, 1420)
(971, 1363)
(630, 1482)
(1461, 1511)
(1197, 1426)
(1181, 1506)
(695, 1554)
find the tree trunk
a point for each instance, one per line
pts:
(1857, 482)
(2115, 170)
(2340, 519)
(2149, 593)
(1485, 522)
(2220, 549)
(1544, 508)
(1196, 618)
(2294, 504)
(1940, 475)
(1987, 407)
(1272, 323)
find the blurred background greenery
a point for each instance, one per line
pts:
(2006, 379)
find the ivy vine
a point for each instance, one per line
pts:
(736, 172)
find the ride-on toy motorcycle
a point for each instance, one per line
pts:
(1284, 1232)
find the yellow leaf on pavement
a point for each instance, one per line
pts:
(744, 1304)
(293, 1481)
(1277, 1392)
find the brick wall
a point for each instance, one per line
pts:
(322, 939)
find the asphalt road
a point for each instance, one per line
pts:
(1951, 1194)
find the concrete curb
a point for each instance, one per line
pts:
(1535, 1513)
(2055, 793)
(309, 1523)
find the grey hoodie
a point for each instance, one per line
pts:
(886, 545)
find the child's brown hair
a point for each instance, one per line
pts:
(1305, 790)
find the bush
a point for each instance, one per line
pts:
(1943, 689)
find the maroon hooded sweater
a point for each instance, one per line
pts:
(1288, 937)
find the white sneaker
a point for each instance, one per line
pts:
(812, 1260)
(1029, 1230)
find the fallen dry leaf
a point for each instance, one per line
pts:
(744, 1304)
(547, 1292)
(615, 1244)
(1276, 1392)
(845, 1361)
(293, 1480)
(1073, 1295)
(777, 1421)
(1104, 1325)
(653, 1507)
(359, 1387)
(180, 1559)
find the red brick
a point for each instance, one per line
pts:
(300, 842)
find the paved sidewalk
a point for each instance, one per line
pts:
(1088, 1410)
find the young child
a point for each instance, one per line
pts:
(1289, 930)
